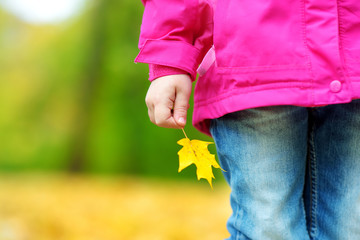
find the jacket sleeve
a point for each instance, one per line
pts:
(176, 33)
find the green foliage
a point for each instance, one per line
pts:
(72, 99)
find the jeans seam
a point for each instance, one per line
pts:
(313, 184)
(236, 222)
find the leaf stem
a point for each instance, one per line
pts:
(184, 132)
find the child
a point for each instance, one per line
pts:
(277, 91)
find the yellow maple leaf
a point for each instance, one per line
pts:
(196, 152)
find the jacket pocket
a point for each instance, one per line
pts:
(258, 36)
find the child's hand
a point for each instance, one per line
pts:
(168, 100)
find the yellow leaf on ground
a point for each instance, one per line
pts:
(196, 152)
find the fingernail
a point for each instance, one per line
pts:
(181, 120)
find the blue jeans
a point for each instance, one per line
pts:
(294, 171)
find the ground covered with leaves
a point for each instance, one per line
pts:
(66, 207)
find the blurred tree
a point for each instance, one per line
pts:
(89, 87)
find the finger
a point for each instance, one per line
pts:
(151, 115)
(163, 117)
(150, 107)
(181, 107)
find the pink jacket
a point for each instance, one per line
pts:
(259, 52)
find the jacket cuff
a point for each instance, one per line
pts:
(156, 71)
(170, 53)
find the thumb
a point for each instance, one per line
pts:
(181, 106)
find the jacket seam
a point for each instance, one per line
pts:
(224, 95)
(347, 72)
(275, 67)
(303, 23)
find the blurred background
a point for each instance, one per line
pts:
(79, 158)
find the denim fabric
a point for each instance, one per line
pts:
(294, 171)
